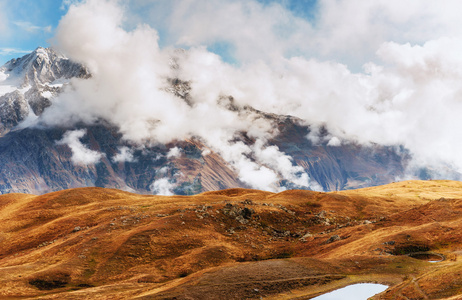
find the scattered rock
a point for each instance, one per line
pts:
(306, 236)
(242, 220)
(286, 210)
(77, 228)
(322, 214)
(248, 202)
(242, 214)
(333, 238)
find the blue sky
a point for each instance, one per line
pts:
(25, 25)
(28, 24)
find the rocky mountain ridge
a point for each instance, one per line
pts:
(33, 161)
(30, 82)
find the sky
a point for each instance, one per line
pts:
(28, 24)
(383, 72)
(25, 25)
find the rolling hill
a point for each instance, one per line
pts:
(232, 244)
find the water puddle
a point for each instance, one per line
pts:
(428, 256)
(360, 291)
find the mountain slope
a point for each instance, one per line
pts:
(238, 243)
(28, 83)
(38, 158)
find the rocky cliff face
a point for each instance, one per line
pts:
(342, 167)
(33, 161)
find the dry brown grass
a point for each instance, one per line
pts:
(94, 243)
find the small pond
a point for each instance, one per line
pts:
(428, 256)
(360, 291)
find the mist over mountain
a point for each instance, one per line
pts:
(115, 109)
(38, 154)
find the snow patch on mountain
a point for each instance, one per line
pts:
(28, 85)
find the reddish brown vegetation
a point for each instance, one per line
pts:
(231, 244)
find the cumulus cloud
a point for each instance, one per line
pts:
(334, 142)
(281, 163)
(163, 170)
(162, 187)
(65, 4)
(81, 155)
(129, 87)
(206, 152)
(397, 80)
(125, 155)
(174, 152)
(258, 31)
(349, 31)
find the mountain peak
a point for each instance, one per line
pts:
(37, 58)
(43, 65)
(28, 83)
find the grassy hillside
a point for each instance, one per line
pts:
(231, 244)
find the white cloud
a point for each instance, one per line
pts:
(334, 142)
(9, 51)
(67, 3)
(163, 170)
(352, 30)
(174, 152)
(255, 175)
(81, 155)
(258, 31)
(28, 26)
(349, 31)
(206, 152)
(281, 163)
(408, 94)
(125, 155)
(162, 187)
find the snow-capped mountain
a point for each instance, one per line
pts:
(28, 83)
(38, 159)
